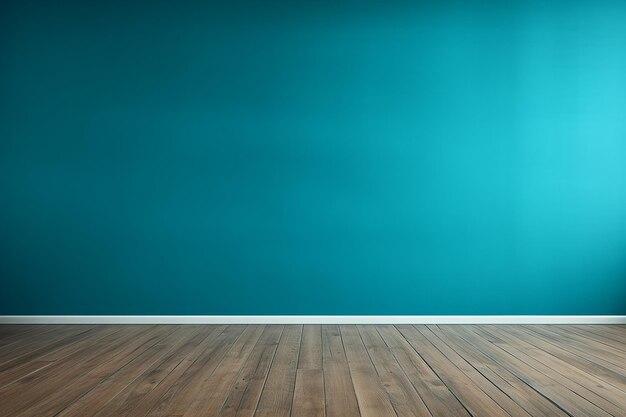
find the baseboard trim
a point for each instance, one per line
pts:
(313, 319)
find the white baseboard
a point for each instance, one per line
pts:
(312, 319)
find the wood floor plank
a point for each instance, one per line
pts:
(575, 357)
(86, 378)
(215, 389)
(11, 334)
(28, 391)
(108, 389)
(607, 338)
(150, 400)
(19, 330)
(605, 391)
(614, 332)
(575, 348)
(129, 398)
(565, 398)
(15, 332)
(313, 371)
(183, 391)
(308, 400)
(597, 346)
(35, 343)
(370, 393)
(478, 379)
(244, 396)
(437, 396)
(520, 392)
(29, 364)
(340, 398)
(277, 395)
(472, 397)
(405, 399)
(311, 349)
(571, 396)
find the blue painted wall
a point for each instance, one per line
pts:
(308, 158)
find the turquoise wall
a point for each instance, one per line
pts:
(340, 157)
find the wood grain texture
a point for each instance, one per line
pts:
(313, 370)
(405, 399)
(277, 396)
(308, 400)
(340, 396)
(370, 391)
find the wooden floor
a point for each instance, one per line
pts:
(312, 371)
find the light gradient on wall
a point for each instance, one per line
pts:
(309, 158)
